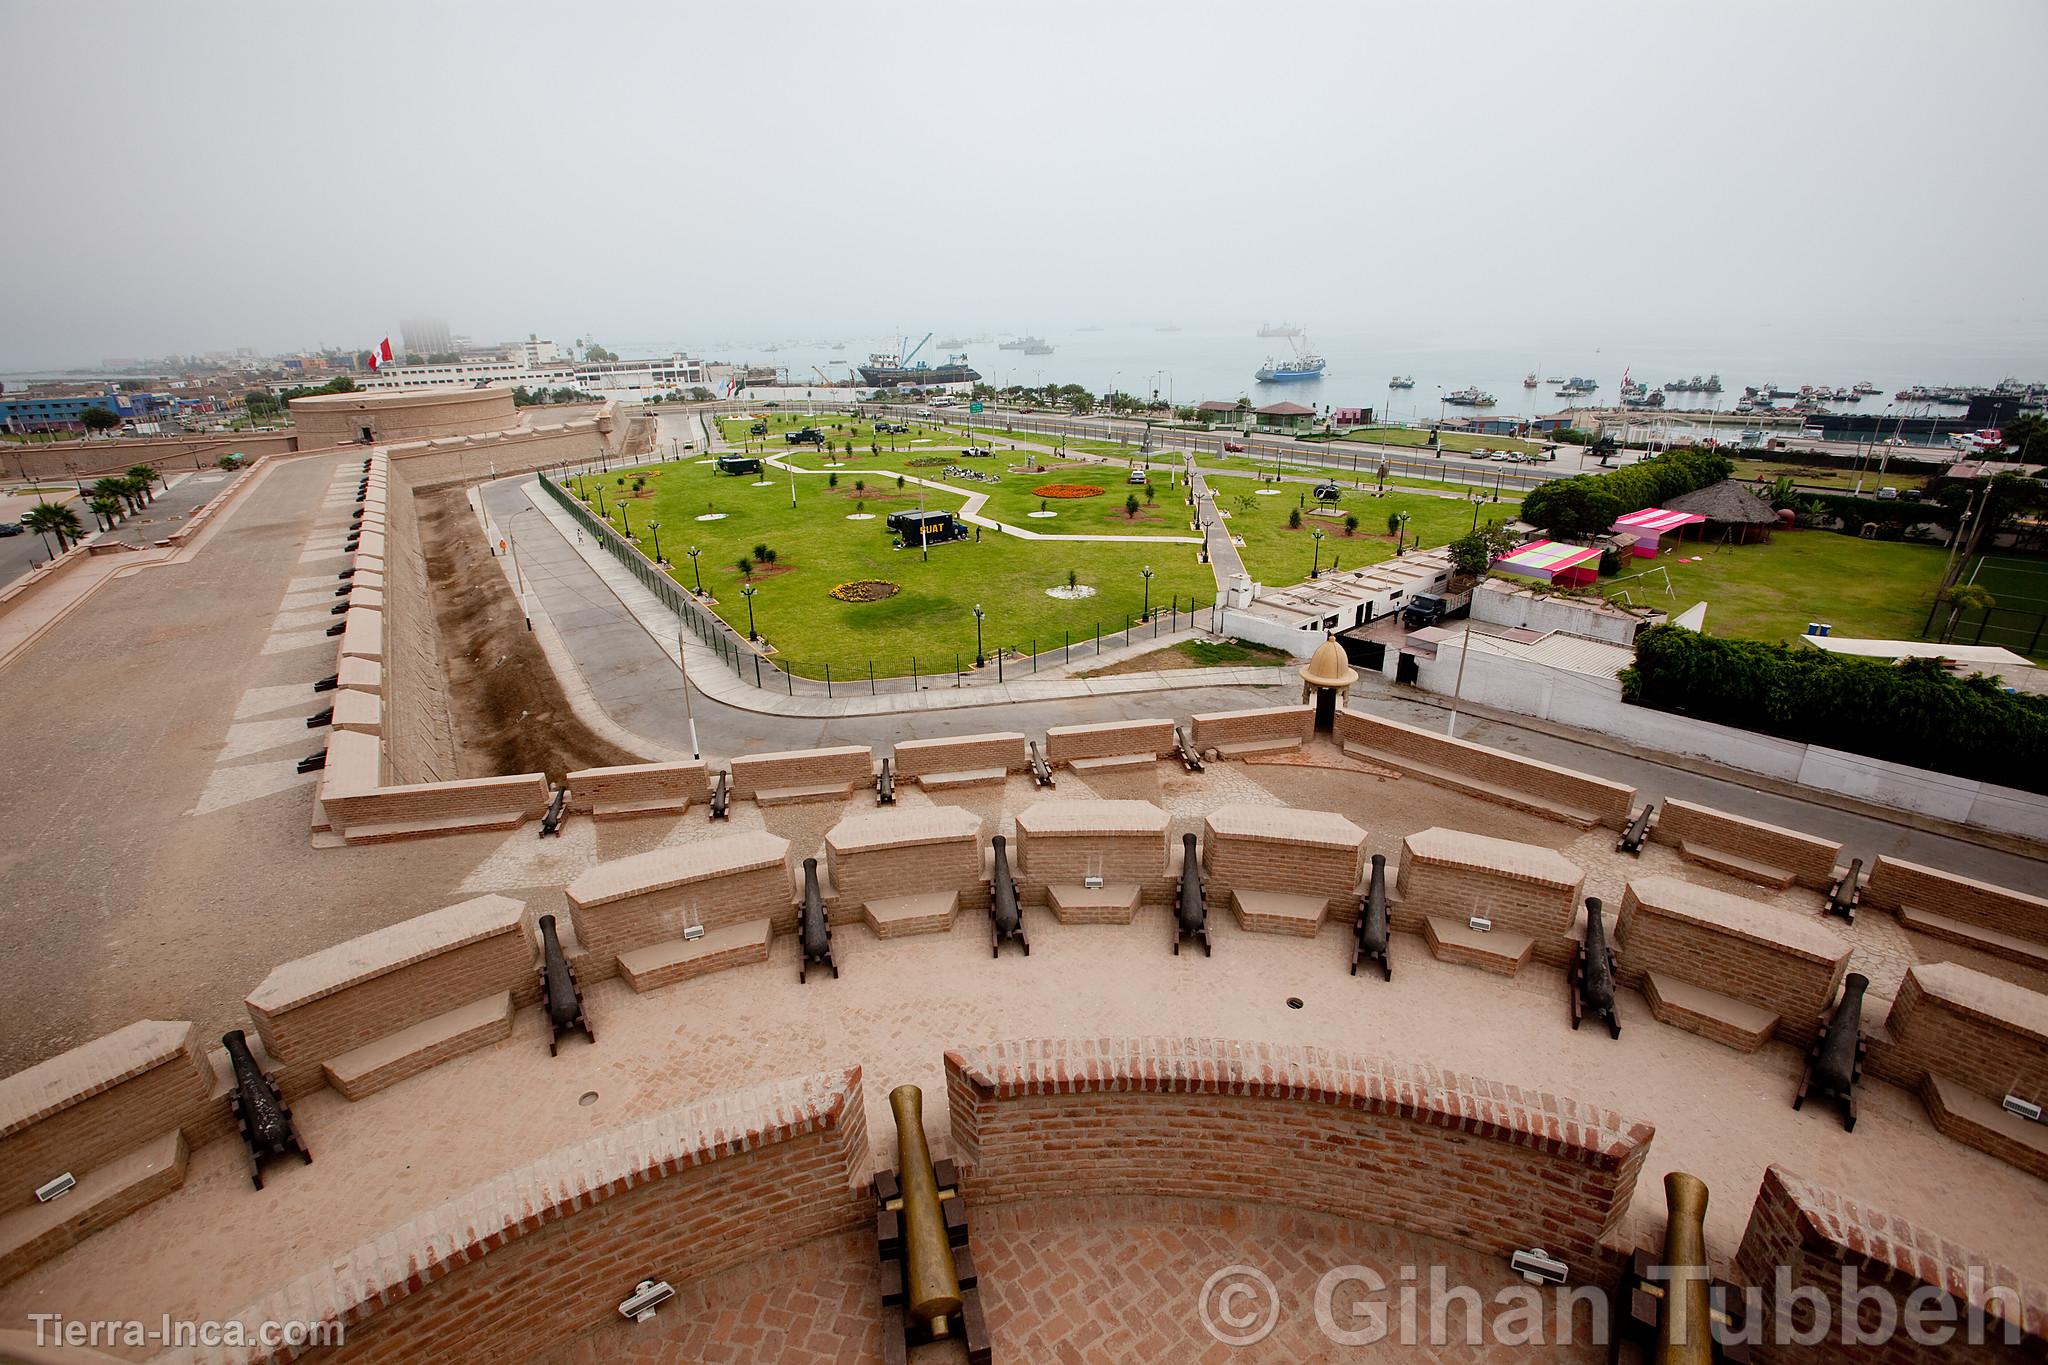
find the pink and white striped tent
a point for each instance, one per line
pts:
(1651, 523)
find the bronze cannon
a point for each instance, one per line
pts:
(559, 989)
(1592, 974)
(263, 1117)
(814, 928)
(1685, 1334)
(931, 1289)
(1006, 919)
(1190, 914)
(1836, 1062)
(1372, 936)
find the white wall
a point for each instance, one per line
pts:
(1504, 606)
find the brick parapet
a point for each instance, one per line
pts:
(967, 753)
(1810, 860)
(752, 774)
(1895, 884)
(1109, 739)
(1980, 1031)
(1607, 802)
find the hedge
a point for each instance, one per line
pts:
(1587, 504)
(1915, 713)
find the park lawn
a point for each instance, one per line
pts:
(931, 618)
(1277, 554)
(1085, 445)
(1827, 477)
(1013, 500)
(1453, 440)
(1877, 589)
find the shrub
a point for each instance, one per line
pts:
(1930, 718)
(1587, 504)
(1294, 518)
(832, 481)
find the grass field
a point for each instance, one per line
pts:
(1824, 476)
(2020, 587)
(1277, 554)
(1408, 436)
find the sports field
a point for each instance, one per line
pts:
(2020, 588)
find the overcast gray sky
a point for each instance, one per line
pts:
(203, 175)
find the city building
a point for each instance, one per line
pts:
(426, 336)
(65, 412)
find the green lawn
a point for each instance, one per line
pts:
(1085, 445)
(1877, 589)
(1278, 554)
(1828, 477)
(1408, 436)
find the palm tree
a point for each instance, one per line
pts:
(144, 476)
(105, 508)
(55, 519)
(1964, 597)
(137, 492)
(108, 490)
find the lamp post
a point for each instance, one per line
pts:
(747, 591)
(601, 513)
(979, 659)
(695, 572)
(1146, 574)
(655, 527)
(1316, 565)
(626, 519)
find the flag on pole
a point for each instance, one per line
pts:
(384, 351)
(373, 360)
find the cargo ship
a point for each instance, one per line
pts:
(887, 371)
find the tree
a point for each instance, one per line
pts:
(1961, 598)
(761, 553)
(1150, 492)
(111, 490)
(97, 418)
(745, 566)
(1351, 525)
(105, 508)
(2028, 435)
(1073, 578)
(1131, 506)
(860, 485)
(599, 353)
(1294, 518)
(144, 476)
(341, 383)
(55, 519)
(1473, 554)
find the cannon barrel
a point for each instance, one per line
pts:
(1188, 908)
(817, 936)
(562, 1007)
(1596, 984)
(1684, 1326)
(1834, 1066)
(1009, 919)
(1372, 925)
(261, 1109)
(932, 1291)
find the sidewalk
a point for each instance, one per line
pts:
(566, 600)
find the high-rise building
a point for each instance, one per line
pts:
(426, 336)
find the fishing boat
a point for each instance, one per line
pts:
(1401, 381)
(1306, 364)
(1864, 387)
(1470, 398)
(1529, 380)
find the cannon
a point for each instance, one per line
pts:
(263, 1117)
(1631, 840)
(885, 783)
(558, 988)
(1844, 894)
(313, 763)
(1372, 937)
(1591, 980)
(320, 718)
(1041, 771)
(1835, 1063)
(1669, 1303)
(721, 794)
(930, 1287)
(1185, 748)
(551, 819)
(1005, 918)
(1190, 914)
(338, 609)
(815, 929)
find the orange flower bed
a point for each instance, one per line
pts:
(1066, 490)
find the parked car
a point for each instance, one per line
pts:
(1482, 453)
(1887, 493)
(758, 429)
(1136, 476)
(1234, 447)
(976, 453)
(808, 436)
(1424, 609)
(9, 528)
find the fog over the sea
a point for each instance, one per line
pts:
(207, 175)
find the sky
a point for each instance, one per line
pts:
(203, 176)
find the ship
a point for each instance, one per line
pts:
(1279, 329)
(1036, 346)
(1305, 365)
(1711, 384)
(1401, 381)
(1577, 384)
(887, 371)
(1865, 388)
(1470, 398)
(1529, 380)
(1013, 344)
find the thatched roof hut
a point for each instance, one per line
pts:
(1728, 504)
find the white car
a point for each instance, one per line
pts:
(1482, 453)
(1894, 440)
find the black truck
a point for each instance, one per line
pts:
(810, 436)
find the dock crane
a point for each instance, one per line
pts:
(915, 349)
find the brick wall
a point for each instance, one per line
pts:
(1544, 784)
(83, 1108)
(1895, 884)
(1819, 1235)
(1214, 728)
(419, 730)
(754, 773)
(1270, 848)
(633, 782)
(904, 851)
(1811, 861)
(1522, 888)
(1065, 743)
(541, 1254)
(319, 1006)
(1978, 1030)
(484, 800)
(1059, 841)
(1773, 959)
(1416, 1148)
(969, 753)
(648, 898)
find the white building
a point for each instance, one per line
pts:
(537, 365)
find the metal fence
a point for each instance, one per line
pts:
(1001, 660)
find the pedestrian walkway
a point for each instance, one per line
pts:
(606, 653)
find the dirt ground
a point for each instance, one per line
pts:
(509, 711)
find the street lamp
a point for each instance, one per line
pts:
(695, 572)
(1316, 565)
(979, 659)
(626, 519)
(747, 591)
(1146, 574)
(655, 527)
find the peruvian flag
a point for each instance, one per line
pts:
(373, 360)
(384, 350)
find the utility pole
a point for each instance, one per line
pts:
(689, 707)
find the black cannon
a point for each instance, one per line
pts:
(1041, 771)
(721, 794)
(1631, 840)
(1190, 914)
(816, 930)
(337, 628)
(344, 590)
(885, 783)
(1844, 894)
(320, 718)
(1005, 918)
(313, 763)
(1370, 943)
(559, 989)
(1185, 747)
(263, 1117)
(328, 683)
(337, 609)
(1836, 1062)
(551, 820)
(1591, 981)
(346, 574)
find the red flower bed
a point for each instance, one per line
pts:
(1066, 490)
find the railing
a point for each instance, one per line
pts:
(1002, 660)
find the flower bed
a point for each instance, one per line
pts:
(1066, 490)
(865, 590)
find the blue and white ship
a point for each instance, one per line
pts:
(1305, 365)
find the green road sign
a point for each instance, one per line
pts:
(974, 407)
